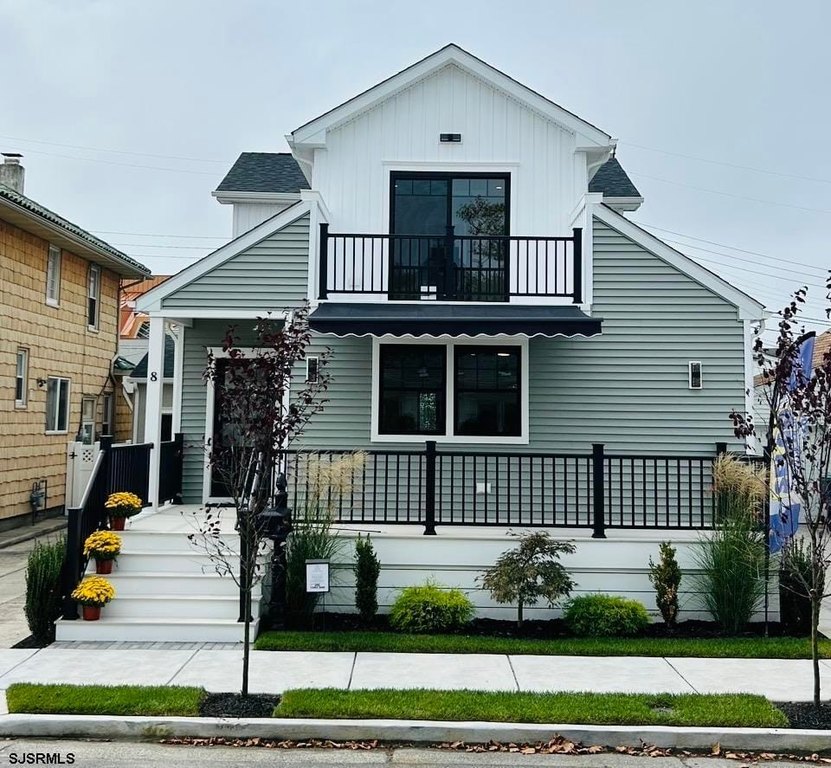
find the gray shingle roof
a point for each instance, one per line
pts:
(264, 172)
(44, 213)
(612, 181)
(140, 371)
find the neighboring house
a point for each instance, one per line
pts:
(134, 330)
(59, 310)
(508, 347)
(137, 380)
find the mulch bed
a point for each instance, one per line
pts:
(535, 629)
(237, 705)
(803, 714)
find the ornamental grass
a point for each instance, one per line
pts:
(94, 590)
(103, 545)
(123, 504)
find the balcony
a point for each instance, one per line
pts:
(450, 267)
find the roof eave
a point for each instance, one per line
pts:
(238, 196)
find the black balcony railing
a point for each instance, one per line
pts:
(450, 267)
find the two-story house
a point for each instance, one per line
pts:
(508, 347)
(59, 320)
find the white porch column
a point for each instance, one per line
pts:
(153, 404)
(178, 360)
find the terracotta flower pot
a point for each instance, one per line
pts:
(117, 523)
(103, 566)
(91, 612)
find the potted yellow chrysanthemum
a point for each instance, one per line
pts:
(120, 506)
(104, 547)
(92, 593)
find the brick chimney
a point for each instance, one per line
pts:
(12, 172)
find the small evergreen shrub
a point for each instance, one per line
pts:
(43, 588)
(430, 608)
(367, 567)
(605, 616)
(665, 576)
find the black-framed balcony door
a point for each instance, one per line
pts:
(449, 231)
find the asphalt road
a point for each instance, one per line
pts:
(132, 755)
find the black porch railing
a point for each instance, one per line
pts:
(450, 267)
(594, 490)
(117, 468)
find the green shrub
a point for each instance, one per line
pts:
(665, 576)
(529, 572)
(795, 575)
(430, 608)
(43, 588)
(367, 567)
(605, 616)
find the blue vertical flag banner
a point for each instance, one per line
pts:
(785, 503)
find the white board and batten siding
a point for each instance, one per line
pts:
(499, 134)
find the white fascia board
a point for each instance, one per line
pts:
(624, 203)
(151, 302)
(314, 131)
(748, 307)
(255, 197)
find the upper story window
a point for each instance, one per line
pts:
(93, 295)
(449, 232)
(21, 378)
(53, 276)
(57, 404)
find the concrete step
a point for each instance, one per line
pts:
(109, 628)
(177, 607)
(144, 583)
(161, 541)
(183, 561)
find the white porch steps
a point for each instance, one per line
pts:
(167, 590)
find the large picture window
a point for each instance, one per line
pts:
(459, 391)
(487, 391)
(412, 389)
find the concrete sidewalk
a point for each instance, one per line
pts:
(276, 671)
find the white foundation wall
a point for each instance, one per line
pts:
(617, 565)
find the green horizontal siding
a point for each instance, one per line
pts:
(272, 274)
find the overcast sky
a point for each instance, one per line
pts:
(129, 112)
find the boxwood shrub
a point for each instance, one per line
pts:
(430, 608)
(605, 616)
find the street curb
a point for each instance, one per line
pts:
(429, 731)
(33, 533)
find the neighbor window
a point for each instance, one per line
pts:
(107, 414)
(487, 391)
(88, 420)
(53, 275)
(93, 295)
(412, 389)
(21, 378)
(57, 404)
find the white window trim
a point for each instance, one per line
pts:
(690, 375)
(450, 344)
(23, 402)
(54, 301)
(68, 404)
(94, 268)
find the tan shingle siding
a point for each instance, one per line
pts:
(59, 344)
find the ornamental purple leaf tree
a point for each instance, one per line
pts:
(796, 435)
(263, 401)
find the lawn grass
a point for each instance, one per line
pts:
(103, 700)
(727, 647)
(725, 710)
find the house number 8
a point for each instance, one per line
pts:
(154, 376)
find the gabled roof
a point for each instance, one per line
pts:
(313, 131)
(264, 172)
(748, 307)
(612, 181)
(33, 217)
(140, 371)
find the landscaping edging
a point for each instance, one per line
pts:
(424, 731)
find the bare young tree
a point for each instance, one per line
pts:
(797, 448)
(263, 405)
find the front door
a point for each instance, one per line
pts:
(449, 236)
